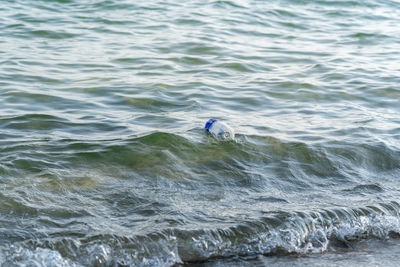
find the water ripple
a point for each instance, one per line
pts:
(104, 159)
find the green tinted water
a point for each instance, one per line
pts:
(104, 160)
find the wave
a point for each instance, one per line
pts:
(277, 233)
(169, 155)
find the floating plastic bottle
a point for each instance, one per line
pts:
(220, 130)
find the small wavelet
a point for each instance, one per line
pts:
(277, 234)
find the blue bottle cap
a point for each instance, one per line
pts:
(209, 123)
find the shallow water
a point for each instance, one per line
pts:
(104, 160)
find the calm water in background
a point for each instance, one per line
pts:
(104, 160)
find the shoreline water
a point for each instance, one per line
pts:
(104, 159)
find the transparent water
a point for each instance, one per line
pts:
(104, 160)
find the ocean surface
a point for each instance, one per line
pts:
(104, 160)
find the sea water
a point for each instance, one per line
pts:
(104, 160)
